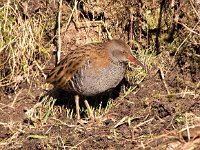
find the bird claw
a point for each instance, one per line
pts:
(82, 122)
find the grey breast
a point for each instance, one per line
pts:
(88, 82)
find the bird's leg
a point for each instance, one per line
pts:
(77, 107)
(89, 109)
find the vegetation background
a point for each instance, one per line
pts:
(158, 109)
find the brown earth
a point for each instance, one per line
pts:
(146, 118)
(161, 111)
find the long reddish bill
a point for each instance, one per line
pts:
(131, 58)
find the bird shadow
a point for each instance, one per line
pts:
(66, 99)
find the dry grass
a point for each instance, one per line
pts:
(25, 50)
(23, 47)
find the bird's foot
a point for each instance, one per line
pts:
(86, 121)
(82, 122)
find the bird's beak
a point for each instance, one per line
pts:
(134, 60)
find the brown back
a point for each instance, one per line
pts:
(96, 54)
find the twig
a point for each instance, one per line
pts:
(70, 17)
(5, 106)
(6, 15)
(75, 147)
(126, 119)
(195, 10)
(184, 93)
(15, 99)
(163, 79)
(59, 38)
(40, 68)
(177, 94)
(63, 123)
(191, 30)
(131, 28)
(122, 121)
(188, 131)
(142, 123)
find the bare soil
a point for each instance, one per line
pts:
(148, 117)
(160, 112)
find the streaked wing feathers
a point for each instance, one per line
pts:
(65, 70)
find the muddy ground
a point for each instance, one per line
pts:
(161, 111)
(147, 118)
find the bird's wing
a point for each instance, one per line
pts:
(65, 70)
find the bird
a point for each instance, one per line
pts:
(92, 69)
